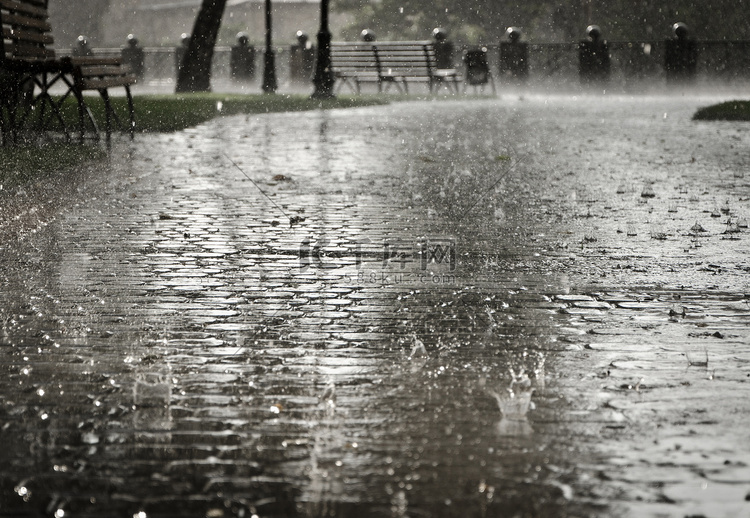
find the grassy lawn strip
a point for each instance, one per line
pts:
(20, 164)
(727, 111)
(174, 112)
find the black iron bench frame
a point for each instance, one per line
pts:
(29, 69)
(389, 63)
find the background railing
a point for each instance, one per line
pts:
(160, 63)
(550, 64)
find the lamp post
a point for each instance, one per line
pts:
(323, 79)
(269, 61)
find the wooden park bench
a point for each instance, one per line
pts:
(25, 62)
(29, 69)
(99, 74)
(389, 63)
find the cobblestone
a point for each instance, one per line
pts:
(175, 343)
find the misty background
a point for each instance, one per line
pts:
(107, 23)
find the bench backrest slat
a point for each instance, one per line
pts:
(21, 20)
(22, 51)
(415, 59)
(32, 7)
(26, 33)
(354, 57)
(26, 36)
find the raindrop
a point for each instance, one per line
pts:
(697, 228)
(152, 389)
(328, 397)
(90, 438)
(732, 227)
(399, 504)
(418, 349)
(23, 492)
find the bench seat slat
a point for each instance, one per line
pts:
(109, 82)
(32, 65)
(17, 20)
(22, 35)
(96, 71)
(21, 50)
(95, 61)
(26, 7)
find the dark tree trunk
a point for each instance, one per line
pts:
(194, 74)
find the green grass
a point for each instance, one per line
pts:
(21, 164)
(727, 111)
(153, 114)
(174, 112)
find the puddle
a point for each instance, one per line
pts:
(510, 312)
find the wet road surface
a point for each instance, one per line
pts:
(515, 307)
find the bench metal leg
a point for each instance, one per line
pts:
(43, 106)
(7, 96)
(84, 114)
(452, 85)
(108, 111)
(111, 116)
(353, 84)
(4, 125)
(399, 82)
(131, 112)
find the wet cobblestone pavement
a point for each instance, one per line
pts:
(506, 307)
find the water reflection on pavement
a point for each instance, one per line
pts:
(376, 312)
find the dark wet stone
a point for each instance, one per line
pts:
(315, 388)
